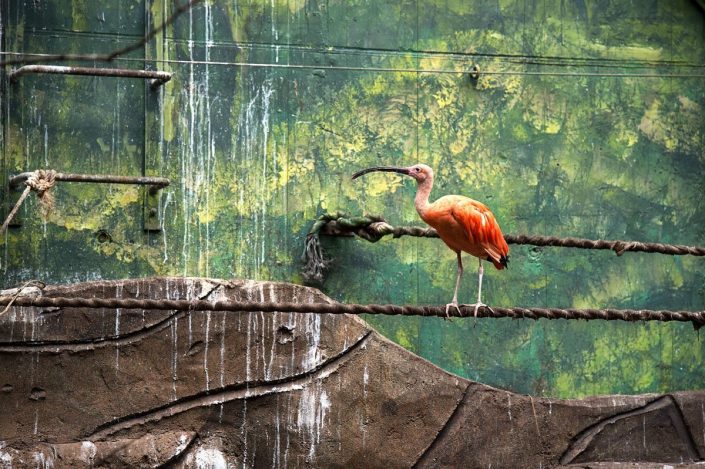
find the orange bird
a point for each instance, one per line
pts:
(464, 224)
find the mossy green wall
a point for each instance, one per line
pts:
(591, 125)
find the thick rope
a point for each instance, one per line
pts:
(374, 228)
(35, 284)
(41, 182)
(14, 210)
(696, 318)
(314, 260)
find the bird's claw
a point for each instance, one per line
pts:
(476, 307)
(454, 305)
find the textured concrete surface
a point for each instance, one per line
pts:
(133, 388)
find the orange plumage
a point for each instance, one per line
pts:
(465, 225)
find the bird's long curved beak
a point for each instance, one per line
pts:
(389, 169)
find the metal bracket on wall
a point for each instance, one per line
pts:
(156, 78)
(151, 196)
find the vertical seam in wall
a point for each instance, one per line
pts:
(4, 118)
(416, 159)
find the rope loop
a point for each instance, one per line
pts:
(41, 180)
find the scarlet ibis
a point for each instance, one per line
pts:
(464, 224)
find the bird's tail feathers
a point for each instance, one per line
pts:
(497, 258)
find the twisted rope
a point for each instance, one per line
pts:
(41, 182)
(374, 228)
(36, 284)
(696, 318)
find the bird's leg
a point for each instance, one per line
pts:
(479, 304)
(459, 275)
(480, 272)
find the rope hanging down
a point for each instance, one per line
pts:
(696, 318)
(41, 182)
(373, 228)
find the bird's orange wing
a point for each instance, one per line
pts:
(483, 231)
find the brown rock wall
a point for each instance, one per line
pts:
(133, 388)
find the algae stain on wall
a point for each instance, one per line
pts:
(557, 142)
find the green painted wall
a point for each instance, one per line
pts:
(558, 141)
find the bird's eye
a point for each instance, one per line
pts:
(418, 170)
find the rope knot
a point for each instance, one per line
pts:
(42, 181)
(374, 231)
(620, 247)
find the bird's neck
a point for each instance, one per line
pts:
(422, 193)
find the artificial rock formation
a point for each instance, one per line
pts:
(133, 388)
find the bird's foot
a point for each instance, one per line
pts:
(476, 307)
(454, 305)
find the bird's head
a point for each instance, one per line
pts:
(420, 172)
